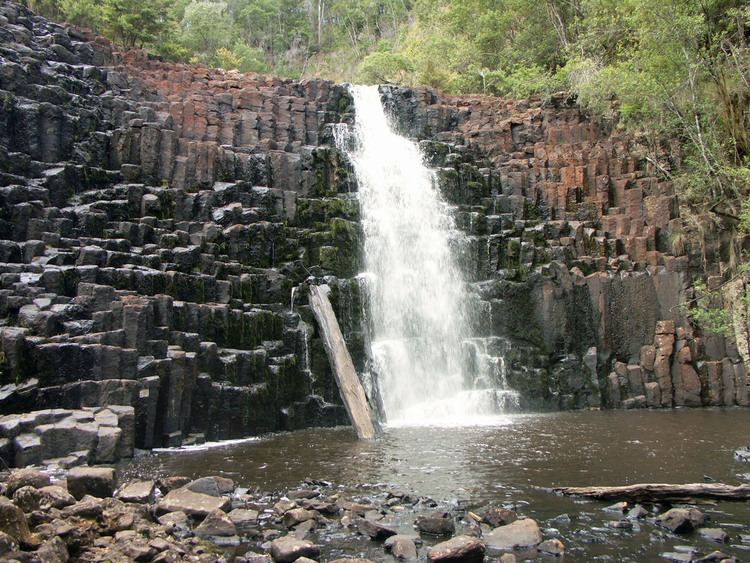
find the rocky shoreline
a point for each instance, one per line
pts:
(86, 514)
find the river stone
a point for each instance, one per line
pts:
(194, 504)
(296, 516)
(173, 482)
(552, 547)
(87, 507)
(436, 524)
(681, 520)
(521, 533)
(465, 549)
(714, 534)
(26, 478)
(53, 551)
(375, 530)
(13, 522)
(497, 516)
(508, 558)
(95, 481)
(141, 492)
(7, 544)
(289, 549)
(214, 486)
(30, 499)
(401, 546)
(216, 523)
(245, 520)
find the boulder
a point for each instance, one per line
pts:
(216, 523)
(681, 520)
(30, 499)
(374, 529)
(214, 486)
(552, 547)
(245, 520)
(95, 481)
(193, 504)
(464, 549)
(53, 551)
(295, 516)
(497, 516)
(141, 492)
(436, 524)
(401, 547)
(26, 478)
(289, 549)
(521, 533)
(714, 534)
(13, 522)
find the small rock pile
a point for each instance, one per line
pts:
(87, 516)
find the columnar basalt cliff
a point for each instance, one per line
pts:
(156, 218)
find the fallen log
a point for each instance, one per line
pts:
(350, 388)
(645, 492)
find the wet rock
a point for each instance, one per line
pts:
(13, 522)
(676, 556)
(194, 504)
(295, 516)
(245, 520)
(305, 529)
(716, 556)
(173, 482)
(374, 529)
(401, 546)
(507, 558)
(95, 481)
(459, 549)
(637, 512)
(216, 523)
(289, 549)
(283, 506)
(497, 516)
(521, 533)
(141, 492)
(552, 547)
(26, 478)
(619, 507)
(714, 534)
(436, 524)
(214, 486)
(681, 520)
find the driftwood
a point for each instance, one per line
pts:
(349, 385)
(660, 491)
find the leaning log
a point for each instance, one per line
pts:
(645, 492)
(350, 388)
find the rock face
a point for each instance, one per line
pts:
(155, 218)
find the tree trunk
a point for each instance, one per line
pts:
(659, 491)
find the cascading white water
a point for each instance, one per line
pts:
(418, 300)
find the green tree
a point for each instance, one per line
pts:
(135, 23)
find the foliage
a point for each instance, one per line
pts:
(707, 311)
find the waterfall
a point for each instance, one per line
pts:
(418, 303)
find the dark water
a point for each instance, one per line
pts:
(511, 462)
